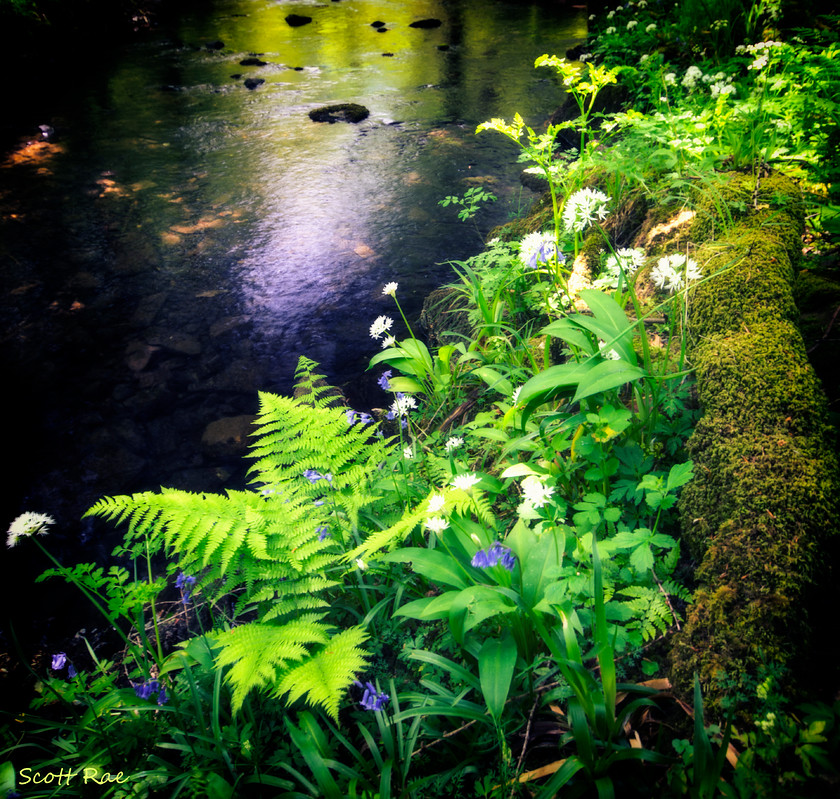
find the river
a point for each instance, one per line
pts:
(173, 240)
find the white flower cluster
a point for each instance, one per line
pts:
(465, 481)
(434, 522)
(453, 443)
(673, 271)
(609, 31)
(28, 524)
(632, 24)
(761, 51)
(537, 248)
(626, 259)
(583, 208)
(692, 75)
(381, 325)
(650, 28)
(535, 493)
(402, 405)
(609, 354)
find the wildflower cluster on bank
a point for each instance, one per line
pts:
(673, 272)
(26, 525)
(583, 208)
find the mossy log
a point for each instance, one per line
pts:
(760, 516)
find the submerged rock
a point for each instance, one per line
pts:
(252, 83)
(426, 23)
(252, 62)
(342, 112)
(296, 20)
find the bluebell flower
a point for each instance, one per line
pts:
(323, 532)
(373, 699)
(318, 502)
(383, 381)
(71, 671)
(492, 556)
(365, 418)
(58, 661)
(351, 416)
(313, 475)
(144, 690)
(183, 583)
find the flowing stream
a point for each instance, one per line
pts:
(173, 240)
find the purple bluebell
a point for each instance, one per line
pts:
(493, 555)
(183, 583)
(144, 690)
(313, 475)
(323, 532)
(365, 418)
(58, 661)
(373, 699)
(71, 671)
(351, 417)
(383, 381)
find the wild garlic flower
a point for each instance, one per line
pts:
(650, 28)
(583, 208)
(627, 259)
(437, 524)
(721, 88)
(514, 398)
(632, 24)
(436, 503)
(609, 31)
(403, 404)
(26, 525)
(380, 326)
(610, 14)
(453, 443)
(408, 453)
(535, 492)
(390, 289)
(673, 271)
(669, 78)
(388, 341)
(465, 481)
(538, 248)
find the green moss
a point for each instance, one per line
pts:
(760, 378)
(752, 283)
(777, 207)
(760, 515)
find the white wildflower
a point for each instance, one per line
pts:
(380, 326)
(28, 524)
(691, 76)
(390, 289)
(609, 31)
(435, 503)
(362, 566)
(388, 341)
(650, 28)
(611, 14)
(626, 258)
(632, 24)
(453, 443)
(672, 271)
(514, 398)
(437, 524)
(408, 453)
(583, 207)
(465, 481)
(669, 78)
(535, 492)
(403, 404)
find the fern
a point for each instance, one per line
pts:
(266, 546)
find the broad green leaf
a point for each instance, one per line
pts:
(605, 376)
(680, 474)
(433, 564)
(408, 385)
(496, 664)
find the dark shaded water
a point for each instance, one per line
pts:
(179, 240)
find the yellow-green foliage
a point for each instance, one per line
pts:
(265, 547)
(763, 504)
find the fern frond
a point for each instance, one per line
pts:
(325, 677)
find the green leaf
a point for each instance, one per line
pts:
(496, 663)
(408, 385)
(680, 474)
(433, 564)
(605, 376)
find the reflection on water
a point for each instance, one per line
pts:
(180, 239)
